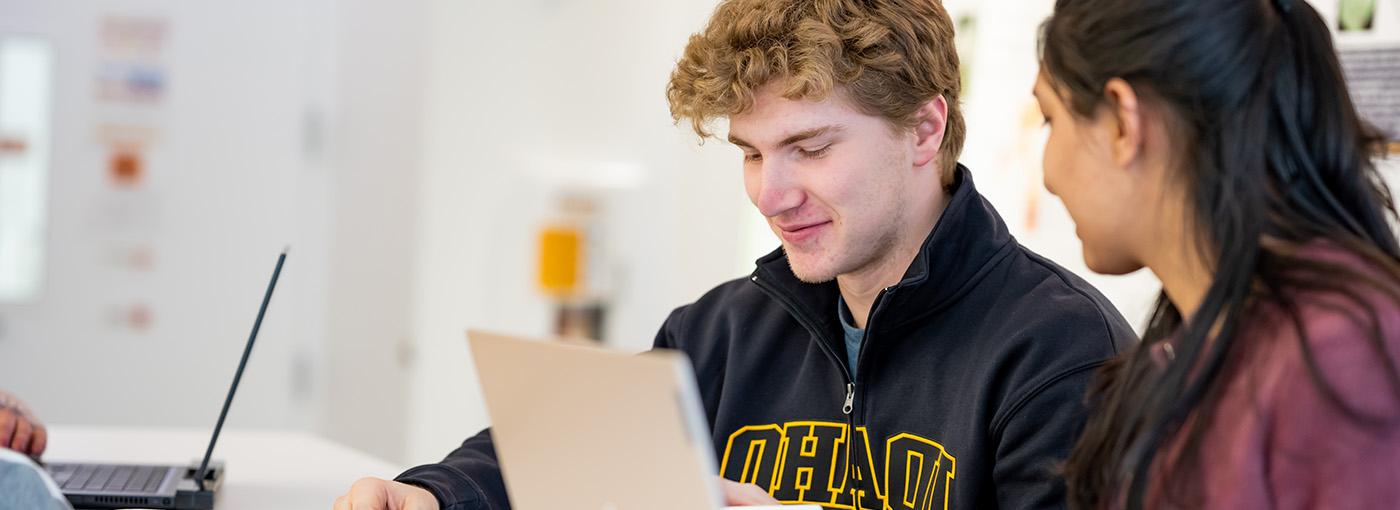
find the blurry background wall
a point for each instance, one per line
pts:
(279, 123)
(408, 151)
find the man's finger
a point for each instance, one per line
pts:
(739, 494)
(40, 441)
(24, 431)
(8, 418)
(367, 501)
(419, 504)
(367, 494)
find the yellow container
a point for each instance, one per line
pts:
(561, 260)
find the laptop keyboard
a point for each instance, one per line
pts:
(111, 478)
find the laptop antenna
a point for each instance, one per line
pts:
(247, 349)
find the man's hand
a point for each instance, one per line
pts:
(745, 494)
(377, 494)
(20, 430)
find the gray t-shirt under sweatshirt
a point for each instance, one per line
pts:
(854, 335)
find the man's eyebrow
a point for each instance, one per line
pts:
(796, 137)
(810, 133)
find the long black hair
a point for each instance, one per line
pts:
(1272, 156)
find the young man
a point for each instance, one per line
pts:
(900, 350)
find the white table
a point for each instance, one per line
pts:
(267, 469)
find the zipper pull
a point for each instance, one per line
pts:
(850, 398)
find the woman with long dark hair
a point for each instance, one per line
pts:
(1214, 142)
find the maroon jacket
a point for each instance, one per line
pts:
(1277, 441)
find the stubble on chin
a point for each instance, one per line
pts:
(807, 274)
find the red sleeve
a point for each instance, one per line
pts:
(1318, 456)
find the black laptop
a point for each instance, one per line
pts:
(191, 487)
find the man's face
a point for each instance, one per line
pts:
(832, 181)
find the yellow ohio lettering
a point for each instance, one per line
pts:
(806, 462)
(813, 458)
(918, 473)
(862, 470)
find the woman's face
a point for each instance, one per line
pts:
(1094, 165)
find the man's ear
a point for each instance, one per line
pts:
(931, 122)
(1125, 121)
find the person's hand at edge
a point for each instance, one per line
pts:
(744, 494)
(20, 430)
(379, 494)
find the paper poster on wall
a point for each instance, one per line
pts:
(129, 208)
(966, 41)
(131, 68)
(1373, 75)
(132, 84)
(134, 317)
(136, 257)
(1368, 44)
(1356, 15)
(126, 165)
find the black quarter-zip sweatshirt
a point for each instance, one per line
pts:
(970, 385)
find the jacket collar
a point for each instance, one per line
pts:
(964, 244)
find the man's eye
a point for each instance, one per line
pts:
(753, 157)
(815, 153)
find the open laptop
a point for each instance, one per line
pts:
(191, 487)
(586, 428)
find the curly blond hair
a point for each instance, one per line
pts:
(889, 57)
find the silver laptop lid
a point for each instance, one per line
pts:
(586, 428)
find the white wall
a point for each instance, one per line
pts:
(374, 164)
(283, 123)
(225, 191)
